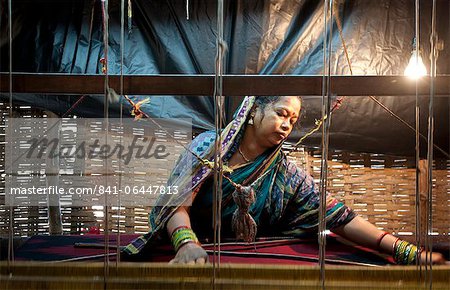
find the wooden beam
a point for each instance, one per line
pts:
(21, 275)
(233, 85)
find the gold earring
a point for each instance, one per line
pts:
(250, 121)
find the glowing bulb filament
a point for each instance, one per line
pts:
(415, 68)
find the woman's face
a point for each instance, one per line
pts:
(275, 123)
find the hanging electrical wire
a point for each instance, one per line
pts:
(130, 16)
(187, 9)
(339, 100)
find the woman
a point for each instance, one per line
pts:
(265, 193)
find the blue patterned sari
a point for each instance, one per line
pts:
(287, 200)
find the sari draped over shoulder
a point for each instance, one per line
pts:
(286, 203)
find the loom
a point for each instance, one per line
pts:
(375, 149)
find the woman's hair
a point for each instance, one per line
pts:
(263, 101)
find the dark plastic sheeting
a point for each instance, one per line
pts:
(263, 37)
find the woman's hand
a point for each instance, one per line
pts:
(190, 253)
(436, 258)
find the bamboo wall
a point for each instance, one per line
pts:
(379, 188)
(382, 190)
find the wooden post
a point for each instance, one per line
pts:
(52, 171)
(423, 202)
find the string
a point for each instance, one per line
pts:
(326, 107)
(11, 207)
(136, 111)
(73, 106)
(406, 124)
(433, 59)
(218, 162)
(105, 18)
(122, 48)
(417, 147)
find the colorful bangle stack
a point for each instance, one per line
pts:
(405, 253)
(183, 235)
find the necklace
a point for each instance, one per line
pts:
(242, 154)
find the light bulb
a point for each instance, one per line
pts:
(415, 68)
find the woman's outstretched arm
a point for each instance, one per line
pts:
(366, 234)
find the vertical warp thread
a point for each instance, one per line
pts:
(11, 207)
(105, 19)
(326, 105)
(417, 146)
(433, 58)
(122, 45)
(218, 163)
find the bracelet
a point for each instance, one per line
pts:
(400, 251)
(394, 245)
(399, 248)
(380, 238)
(414, 255)
(405, 253)
(408, 250)
(183, 235)
(178, 228)
(184, 242)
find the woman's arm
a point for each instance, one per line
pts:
(179, 218)
(366, 234)
(190, 252)
(362, 232)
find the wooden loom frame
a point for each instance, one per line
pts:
(162, 276)
(33, 275)
(233, 85)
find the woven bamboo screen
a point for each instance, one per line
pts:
(382, 188)
(33, 220)
(379, 188)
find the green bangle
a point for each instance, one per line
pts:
(181, 232)
(412, 257)
(406, 254)
(183, 242)
(399, 251)
(183, 236)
